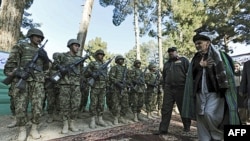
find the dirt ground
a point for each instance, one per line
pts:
(52, 130)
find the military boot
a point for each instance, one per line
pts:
(116, 120)
(65, 129)
(159, 113)
(22, 133)
(135, 117)
(72, 126)
(92, 124)
(101, 122)
(140, 117)
(149, 115)
(123, 120)
(33, 132)
(13, 123)
(50, 118)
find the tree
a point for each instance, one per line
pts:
(82, 34)
(11, 15)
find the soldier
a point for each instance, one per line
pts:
(70, 95)
(98, 89)
(119, 95)
(84, 91)
(159, 99)
(52, 93)
(138, 89)
(152, 79)
(20, 56)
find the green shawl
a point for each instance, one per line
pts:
(189, 98)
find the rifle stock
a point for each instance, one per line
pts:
(8, 79)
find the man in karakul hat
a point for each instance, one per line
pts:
(210, 93)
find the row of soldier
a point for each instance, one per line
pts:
(67, 87)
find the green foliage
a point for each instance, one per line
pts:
(96, 44)
(148, 51)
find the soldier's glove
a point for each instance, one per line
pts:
(43, 54)
(63, 70)
(95, 75)
(120, 85)
(21, 74)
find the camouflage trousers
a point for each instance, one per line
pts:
(34, 92)
(84, 99)
(97, 101)
(69, 101)
(12, 94)
(150, 97)
(137, 101)
(159, 101)
(120, 103)
(52, 100)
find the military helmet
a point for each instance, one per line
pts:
(151, 65)
(35, 31)
(136, 62)
(99, 51)
(118, 57)
(73, 41)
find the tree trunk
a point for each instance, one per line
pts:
(11, 14)
(86, 15)
(159, 35)
(136, 26)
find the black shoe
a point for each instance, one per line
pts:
(160, 133)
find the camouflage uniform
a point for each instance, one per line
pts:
(52, 93)
(159, 99)
(137, 90)
(119, 95)
(70, 95)
(84, 93)
(33, 92)
(98, 89)
(152, 81)
(69, 85)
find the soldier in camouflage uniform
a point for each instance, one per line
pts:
(84, 91)
(70, 95)
(19, 57)
(152, 81)
(159, 99)
(119, 95)
(98, 89)
(52, 93)
(136, 76)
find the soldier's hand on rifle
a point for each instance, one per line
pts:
(21, 74)
(43, 54)
(120, 85)
(62, 69)
(95, 75)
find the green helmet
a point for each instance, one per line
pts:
(73, 41)
(151, 65)
(35, 31)
(99, 51)
(137, 61)
(118, 57)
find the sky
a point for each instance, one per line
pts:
(60, 21)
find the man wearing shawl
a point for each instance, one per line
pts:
(210, 93)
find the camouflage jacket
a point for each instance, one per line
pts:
(102, 79)
(152, 79)
(134, 76)
(116, 74)
(64, 59)
(19, 57)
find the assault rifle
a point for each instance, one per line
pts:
(29, 68)
(141, 79)
(99, 71)
(10, 78)
(63, 70)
